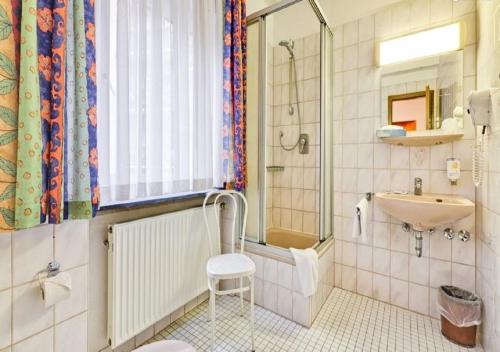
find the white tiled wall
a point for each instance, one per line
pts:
(293, 195)
(386, 267)
(488, 195)
(25, 324)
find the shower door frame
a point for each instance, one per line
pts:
(259, 18)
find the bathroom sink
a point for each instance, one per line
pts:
(425, 211)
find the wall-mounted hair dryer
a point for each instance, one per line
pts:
(481, 110)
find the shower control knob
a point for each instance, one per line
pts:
(464, 235)
(449, 234)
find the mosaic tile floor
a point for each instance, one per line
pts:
(347, 323)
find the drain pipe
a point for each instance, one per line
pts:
(418, 237)
(418, 242)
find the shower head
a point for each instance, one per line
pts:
(288, 44)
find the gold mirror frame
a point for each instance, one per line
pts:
(429, 104)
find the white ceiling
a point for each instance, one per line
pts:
(337, 11)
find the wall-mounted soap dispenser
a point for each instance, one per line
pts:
(453, 170)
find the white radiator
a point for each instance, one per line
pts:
(155, 266)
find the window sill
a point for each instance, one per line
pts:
(140, 203)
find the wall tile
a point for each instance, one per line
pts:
(5, 322)
(440, 273)
(5, 261)
(381, 234)
(399, 265)
(382, 156)
(419, 299)
(365, 105)
(285, 302)
(399, 293)
(77, 302)
(144, 336)
(464, 252)
(381, 261)
(401, 17)
(383, 23)
(349, 253)
(399, 238)
(32, 251)
(72, 243)
(365, 255)
(381, 288)
(419, 13)
(29, 313)
(76, 329)
(350, 57)
(301, 309)
(419, 270)
(349, 278)
(350, 33)
(351, 82)
(270, 293)
(400, 157)
(463, 276)
(366, 28)
(440, 247)
(433, 310)
(441, 10)
(43, 341)
(270, 270)
(364, 282)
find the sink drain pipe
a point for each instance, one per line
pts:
(418, 242)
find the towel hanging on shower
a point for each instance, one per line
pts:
(307, 264)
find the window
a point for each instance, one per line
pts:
(159, 97)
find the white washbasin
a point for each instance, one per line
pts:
(426, 211)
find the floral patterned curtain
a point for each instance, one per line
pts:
(234, 96)
(48, 153)
(9, 43)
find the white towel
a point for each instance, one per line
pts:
(307, 264)
(360, 219)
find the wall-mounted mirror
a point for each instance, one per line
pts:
(421, 94)
(413, 111)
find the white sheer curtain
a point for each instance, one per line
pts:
(160, 97)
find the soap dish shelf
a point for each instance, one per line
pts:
(424, 138)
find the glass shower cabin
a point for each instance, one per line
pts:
(289, 125)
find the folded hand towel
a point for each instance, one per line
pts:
(360, 219)
(307, 264)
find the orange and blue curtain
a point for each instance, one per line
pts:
(48, 123)
(234, 95)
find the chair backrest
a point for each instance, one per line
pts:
(233, 195)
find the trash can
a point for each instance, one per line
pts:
(460, 315)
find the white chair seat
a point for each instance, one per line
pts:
(230, 266)
(166, 346)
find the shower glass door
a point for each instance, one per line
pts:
(289, 122)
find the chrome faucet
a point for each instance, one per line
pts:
(418, 186)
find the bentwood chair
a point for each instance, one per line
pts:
(227, 266)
